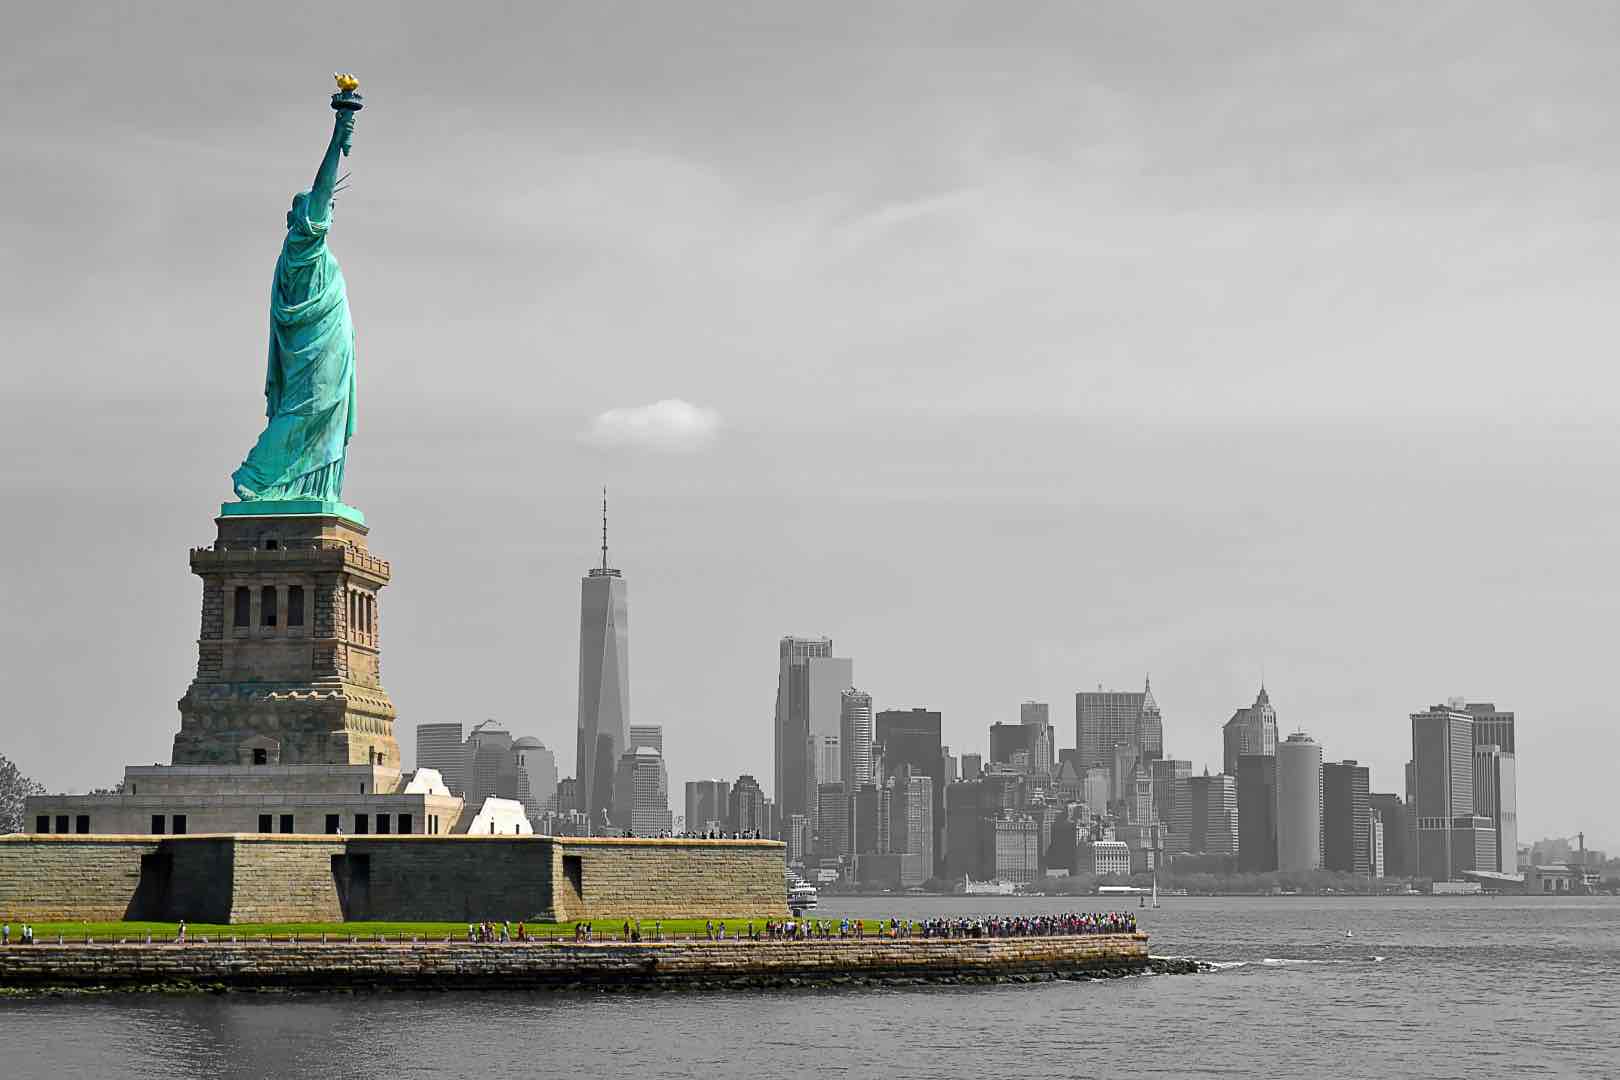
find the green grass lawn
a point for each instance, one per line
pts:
(364, 931)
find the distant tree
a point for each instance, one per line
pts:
(14, 788)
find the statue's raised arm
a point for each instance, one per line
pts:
(326, 178)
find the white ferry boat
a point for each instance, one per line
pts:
(993, 887)
(801, 897)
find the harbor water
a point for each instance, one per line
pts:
(1326, 987)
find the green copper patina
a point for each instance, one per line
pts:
(296, 467)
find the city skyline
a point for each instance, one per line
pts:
(838, 446)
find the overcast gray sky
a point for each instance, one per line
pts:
(1018, 347)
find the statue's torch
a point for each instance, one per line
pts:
(347, 100)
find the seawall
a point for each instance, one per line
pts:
(530, 965)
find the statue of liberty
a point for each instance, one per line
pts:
(309, 382)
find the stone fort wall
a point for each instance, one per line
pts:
(232, 878)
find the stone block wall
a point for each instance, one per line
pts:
(276, 879)
(671, 878)
(460, 878)
(54, 878)
(265, 878)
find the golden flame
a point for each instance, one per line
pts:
(345, 81)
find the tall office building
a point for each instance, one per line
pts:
(1106, 719)
(487, 763)
(911, 829)
(438, 746)
(1495, 786)
(1347, 818)
(747, 807)
(810, 683)
(1493, 727)
(1251, 731)
(1257, 813)
(823, 764)
(641, 793)
(708, 805)
(1299, 804)
(1170, 800)
(1212, 814)
(911, 737)
(1391, 810)
(972, 766)
(1375, 844)
(651, 735)
(1450, 837)
(855, 738)
(604, 681)
(1023, 746)
(1098, 785)
(534, 769)
(832, 822)
(869, 825)
(1038, 714)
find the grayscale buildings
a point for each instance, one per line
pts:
(534, 777)
(810, 682)
(833, 836)
(911, 737)
(1347, 818)
(1016, 841)
(708, 805)
(1251, 731)
(1496, 778)
(1299, 804)
(1257, 813)
(1390, 809)
(1495, 797)
(487, 765)
(1170, 806)
(1212, 814)
(1037, 714)
(641, 793)
(1106, 719)
(748, 807)
(647, 735)
(911, 828)
(1450, 837)
(855, 737)
(438, 747)
(604, 682)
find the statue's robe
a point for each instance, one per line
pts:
(309, 385)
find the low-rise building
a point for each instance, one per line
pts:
(1102, 857)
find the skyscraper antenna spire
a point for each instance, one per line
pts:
(604, 527)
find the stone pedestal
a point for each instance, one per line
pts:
(288, 665)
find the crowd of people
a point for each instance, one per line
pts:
(1112, 922)
(791, 929)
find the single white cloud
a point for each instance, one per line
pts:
(668, 425)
